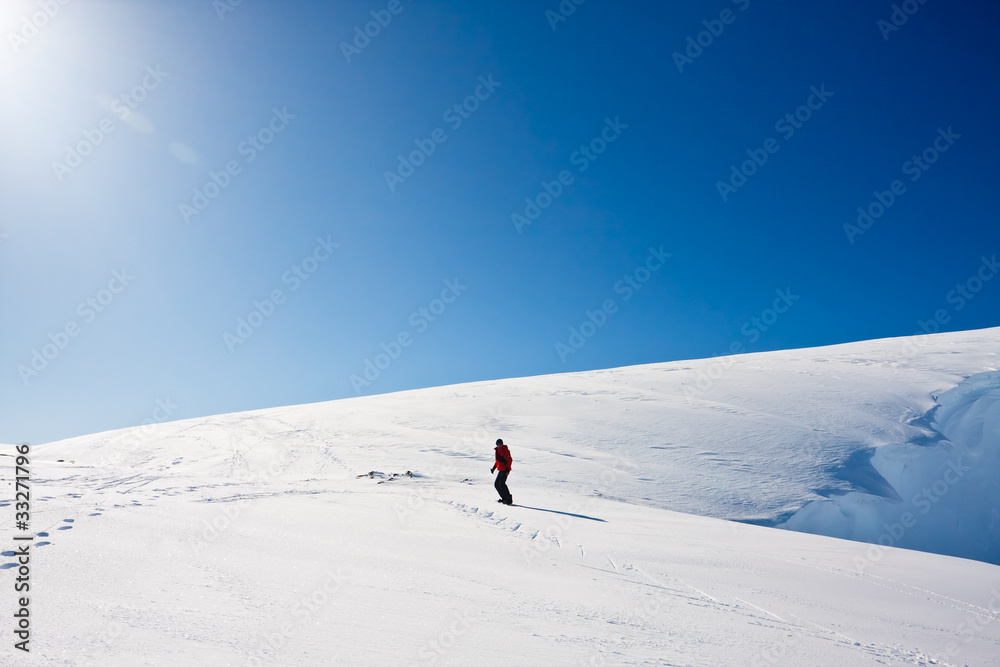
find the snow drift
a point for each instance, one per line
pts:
(295, 536)
(938, 492)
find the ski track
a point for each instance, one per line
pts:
(903, 588)
(491, 518)
(220, 461)
(753, 613)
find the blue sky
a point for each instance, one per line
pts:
(123, 291)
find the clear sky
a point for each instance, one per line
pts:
(212, 207)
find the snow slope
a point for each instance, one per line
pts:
(249, 538)
(940, 490)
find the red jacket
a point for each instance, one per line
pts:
(503, 458)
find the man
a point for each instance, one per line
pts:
(503, 461)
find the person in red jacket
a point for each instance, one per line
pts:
(503, 461)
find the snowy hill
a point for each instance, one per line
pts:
(250, 538)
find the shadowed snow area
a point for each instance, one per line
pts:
(946, 495)
(837, 441)
(366, 531)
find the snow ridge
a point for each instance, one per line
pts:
(944, 497)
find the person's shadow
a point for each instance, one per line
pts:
(577, 516)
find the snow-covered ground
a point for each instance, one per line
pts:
(250, 538)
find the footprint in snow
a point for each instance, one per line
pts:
(12, 554)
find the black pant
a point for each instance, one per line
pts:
(501, 486)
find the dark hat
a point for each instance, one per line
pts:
(499, 441)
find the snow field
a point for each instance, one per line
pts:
(250, 539)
